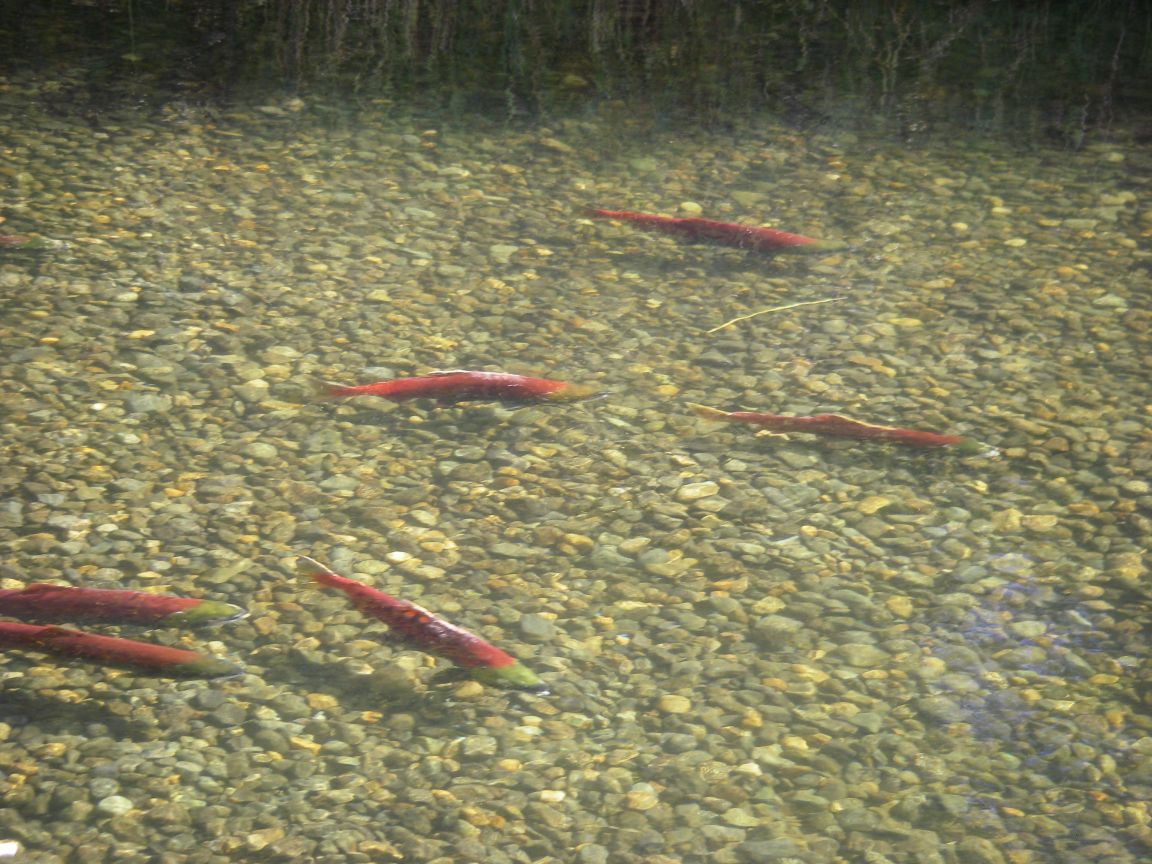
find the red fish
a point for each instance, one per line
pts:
(146, 656)
(54, 603)
(836, 426)
(710, 231)
(461, 385)
(420, 629)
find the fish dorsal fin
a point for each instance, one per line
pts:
(439, 372)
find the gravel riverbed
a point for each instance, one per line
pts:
(759, 649)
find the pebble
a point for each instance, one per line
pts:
(144, 403)
(673, 704)
(261, 451)
(696, 491)
(536, 628)
(255, 390)
(115, 805)
(868, 656)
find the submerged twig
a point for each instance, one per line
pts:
(773, 309)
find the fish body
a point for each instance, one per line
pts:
(47, 603)
(837, 426)
(462, 385)
(418, 628)
(711, 231)
(111, 650)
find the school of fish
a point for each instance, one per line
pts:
(409, 625)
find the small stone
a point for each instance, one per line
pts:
(114, 805)
(261, 838)
(869, 721)
(479, 745)
(978, 850)
(1008, 520)
(1027, 629)
(691, 208)
(900, 606)
(641, 797)
(1039, 523)
(696, 491)
(261, 452)
(512, 550)
(741, 818)
(670, 703)
(941, 709)
(873, 504)
(536, 628)
(501, 253)
(143, 403)
(592, 853)
(865, 656)
(469, 691)
(252, 391)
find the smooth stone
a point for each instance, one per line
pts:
(592, 853)
(261, 451)
(868, 656)
(696, 491)
(672, 703)
(252, 391)
(479, 745)
(978, 850)
(502, 252)
(775, 631)
(869, 721)
(114, 805)
(144, 403)
(536, 628)
(504, 549)
(642, 796)
(1027, 629)
(741, 818)
(941, 709)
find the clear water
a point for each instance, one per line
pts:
(759, 648)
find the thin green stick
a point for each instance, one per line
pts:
(773, 309)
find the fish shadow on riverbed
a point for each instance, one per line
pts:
(387, 689)
(55, 714)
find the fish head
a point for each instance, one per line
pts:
(208, 612)
(514, 676)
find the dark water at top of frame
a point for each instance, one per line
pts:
(759, 648)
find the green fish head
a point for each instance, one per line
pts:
(207, 612)
(514, 676)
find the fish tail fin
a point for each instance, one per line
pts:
(322, 390)
(312, 569)
(708, 413)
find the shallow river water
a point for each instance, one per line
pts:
(759, 648)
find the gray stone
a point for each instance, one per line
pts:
(114, 805)
(536, 628)
(978, 850)
(144, 403)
